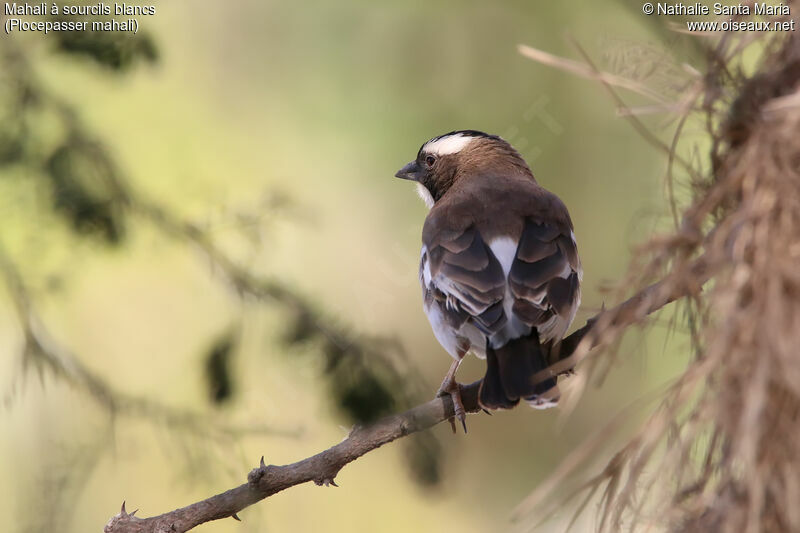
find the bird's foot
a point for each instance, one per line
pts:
(451, 387)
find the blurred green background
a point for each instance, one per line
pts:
(302, 112)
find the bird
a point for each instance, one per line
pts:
(499, 267)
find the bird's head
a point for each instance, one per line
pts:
(461, 155)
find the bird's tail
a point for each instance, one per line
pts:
(509, 376)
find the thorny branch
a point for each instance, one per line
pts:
(323, 467)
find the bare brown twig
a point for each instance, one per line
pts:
(323, 467)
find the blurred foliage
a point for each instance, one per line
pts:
(87, 189)
(361, 394)
(364, 385)
(323, 101)
(44, 136)
(425, 456)
(84, 190)
(221, 385)
(10, 141)
(114, 50)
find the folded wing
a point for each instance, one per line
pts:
(462, 277)
(544, 279)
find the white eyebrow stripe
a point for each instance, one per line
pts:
(451, 144)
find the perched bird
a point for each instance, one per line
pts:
(499, 267)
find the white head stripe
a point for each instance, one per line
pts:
(450, 144)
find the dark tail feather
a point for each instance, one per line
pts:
(509, 373)
(492, 395)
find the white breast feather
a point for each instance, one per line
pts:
(425, 195)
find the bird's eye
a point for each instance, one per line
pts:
(430, 160)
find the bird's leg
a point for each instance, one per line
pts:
(453, 388)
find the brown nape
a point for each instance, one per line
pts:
(485, 157)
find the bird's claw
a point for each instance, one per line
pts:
(453, 389)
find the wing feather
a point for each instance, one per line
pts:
(466, 283)
(465, 270)
(545, 279)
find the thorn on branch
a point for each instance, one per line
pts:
(121, 519)
(256, 474)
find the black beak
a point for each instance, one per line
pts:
(409, 172)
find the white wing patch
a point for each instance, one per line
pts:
(505, 250)
(424, 268)
(451, 144)
(580, 269)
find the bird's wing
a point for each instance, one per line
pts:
(544, 279)
(462, 277)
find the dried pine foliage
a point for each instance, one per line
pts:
(721, 453)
